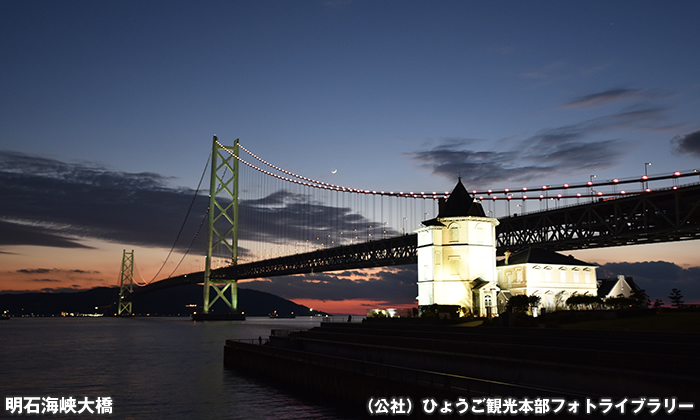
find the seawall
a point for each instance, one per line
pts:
(359, 361)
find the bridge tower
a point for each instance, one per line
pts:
(222, 228)
(126, 283)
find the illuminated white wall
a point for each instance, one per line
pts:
(551, 282)
(452, 256)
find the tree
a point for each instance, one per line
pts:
(620, 302)
(522, 303)
(584, 302)
(658, 303)
(640, 298)
(676, 298)
(559, 300)
(518, 304)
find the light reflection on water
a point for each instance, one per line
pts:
(150, 367)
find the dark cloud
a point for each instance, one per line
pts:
(687, 143)
(548, 152)
(395, 285)
(46, 280)
(34, 270)
(284, 216)
(604, 98)
(36, 234)
(53, 270)
(57, 204)
(73, 289)
(657, 278)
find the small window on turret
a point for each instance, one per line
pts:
(454, 232)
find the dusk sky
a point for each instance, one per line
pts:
(108, 111)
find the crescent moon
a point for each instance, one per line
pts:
(334, 171)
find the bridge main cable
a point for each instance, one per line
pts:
(326, 186)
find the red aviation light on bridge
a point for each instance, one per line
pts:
(489, 191)
(507, 190)
(578, 194)
(676, 173)
(558, 195)
(675, 187)
(566, 185)
(541, 196)
(600, 193)
(616, 180)
(544, 187)
(644, 177)
(524, 188)
(623, 192)
(647, 190)
(524, 197)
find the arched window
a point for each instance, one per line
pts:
(548, 274)
(454, 232)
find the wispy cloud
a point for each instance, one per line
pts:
(396, 284)
(604, 98)
(687, 143)
(550, 151)
(547, 72)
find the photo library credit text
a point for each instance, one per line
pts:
(55, 405)
(497, 406)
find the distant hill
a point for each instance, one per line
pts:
(169, 302)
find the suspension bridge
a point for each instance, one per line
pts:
(265, 221)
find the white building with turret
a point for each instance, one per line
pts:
(457, 263)
(457, 256)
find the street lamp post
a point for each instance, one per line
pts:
(646, 183)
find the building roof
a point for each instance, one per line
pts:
(542, 256)
(459, 204)
(605, 286)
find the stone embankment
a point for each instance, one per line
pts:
(357, 361)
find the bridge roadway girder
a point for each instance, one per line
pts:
(400, 250)
(660, 216)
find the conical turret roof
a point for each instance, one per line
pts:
(459, 204)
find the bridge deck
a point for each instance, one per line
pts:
(660, 216)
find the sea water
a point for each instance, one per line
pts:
(148, 368)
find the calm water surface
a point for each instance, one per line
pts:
(150, 367)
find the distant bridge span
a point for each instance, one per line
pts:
(653, 217)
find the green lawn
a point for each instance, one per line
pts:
(665, 321)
